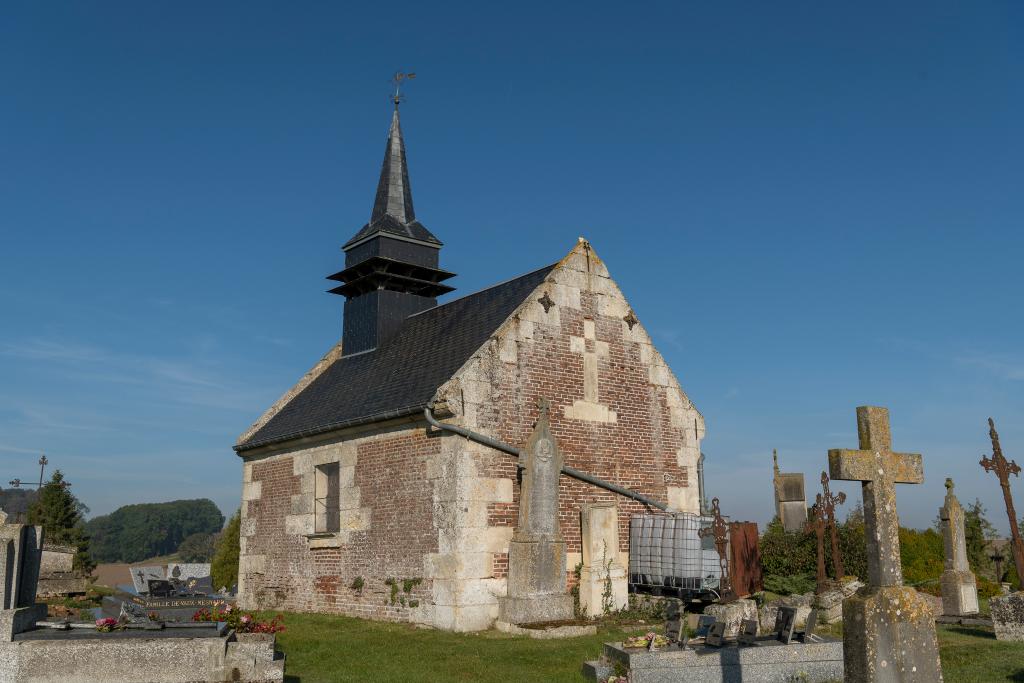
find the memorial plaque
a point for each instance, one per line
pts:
(748, 632)
(785, 622)
(142, 575)
(704, 623)
(716, 636)
(159, 588)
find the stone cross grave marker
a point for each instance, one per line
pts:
(959, 589)
(888, 629)
(536, 555)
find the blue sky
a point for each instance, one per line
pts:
(810, 206)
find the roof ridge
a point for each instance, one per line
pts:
(484, 289)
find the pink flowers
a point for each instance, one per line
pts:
(242, 622)
(106, 624)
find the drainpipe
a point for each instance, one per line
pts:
(700, 484)
(568, 471)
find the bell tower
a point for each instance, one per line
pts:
(391, 264)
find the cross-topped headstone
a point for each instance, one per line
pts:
(829, 501)
(879, 469)
(888, 628)
(1003, 469)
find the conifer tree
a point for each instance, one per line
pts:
(60, 514)
(224, 568)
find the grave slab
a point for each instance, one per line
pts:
(767, 661)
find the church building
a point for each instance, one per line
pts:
(352, 503)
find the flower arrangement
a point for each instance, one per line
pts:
(106, 624)
(241, 622)
(646, 640)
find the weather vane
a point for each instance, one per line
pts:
(397, 80)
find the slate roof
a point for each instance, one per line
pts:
(400, 377)
(393, 212)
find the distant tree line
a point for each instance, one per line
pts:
(137, 532)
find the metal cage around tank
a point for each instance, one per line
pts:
(668, 557)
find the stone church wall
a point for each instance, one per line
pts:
(440, 509)
(386, 527)
(617, 412)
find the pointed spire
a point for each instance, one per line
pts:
(394, 196)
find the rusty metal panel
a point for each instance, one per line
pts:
(745, 559)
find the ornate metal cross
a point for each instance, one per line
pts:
(829, 501)
(817, 524)
(719, 529)
(1003, 469)
(878, 469)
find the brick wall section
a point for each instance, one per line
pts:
(391, 477)
(652, 443)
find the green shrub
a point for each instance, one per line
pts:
(792, 584)
(224, 567)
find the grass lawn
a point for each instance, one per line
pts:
(329, 648)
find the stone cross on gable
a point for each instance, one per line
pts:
(593, 351)
(878, 469)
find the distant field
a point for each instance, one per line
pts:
(118, 573)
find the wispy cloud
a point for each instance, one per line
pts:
(187, 380)
(1002, 366)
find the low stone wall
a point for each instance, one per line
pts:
(137, 657)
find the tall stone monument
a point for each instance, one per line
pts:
(536, 554)
(888, 629)
(790, 500)
(21, 549)
(959, 589)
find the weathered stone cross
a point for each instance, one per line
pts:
(878, 469)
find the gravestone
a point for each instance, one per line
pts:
(959, 589)
(21, 550)
(888, 629)
(716, 635)
(785, 623)
(748, 632)
(603, 586)
(704, 624)
(1008, 616)
(536, 555)
(790, 500)
(141, 576)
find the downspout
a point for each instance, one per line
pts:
(568, 471)
(700, 484)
